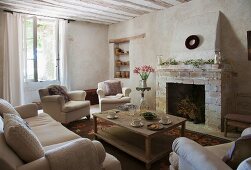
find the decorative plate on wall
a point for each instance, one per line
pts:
(192, 42)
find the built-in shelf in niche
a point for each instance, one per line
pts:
(121, 60)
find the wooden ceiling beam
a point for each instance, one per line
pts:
(31, 10)
(160, 3)
(117, 7)
(24, 4)
(137, 4)
(77, 7)
(18, 10)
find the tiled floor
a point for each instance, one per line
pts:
(191, 126)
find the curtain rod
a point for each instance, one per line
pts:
(69, 20)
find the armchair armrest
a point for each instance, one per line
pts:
(126, 91)
(100, 93)
(82, 153)
(195, 155)
(247, 131)
(100, 150)
(77, 95)
(28, 110)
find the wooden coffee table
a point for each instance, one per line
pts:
(141, 143)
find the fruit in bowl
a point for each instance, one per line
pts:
(149, 115)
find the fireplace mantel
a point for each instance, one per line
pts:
(218, 88)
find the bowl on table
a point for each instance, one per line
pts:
(149, 115)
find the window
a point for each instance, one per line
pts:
(40, 49)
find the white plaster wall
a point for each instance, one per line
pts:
(88, 54)
(165, 31)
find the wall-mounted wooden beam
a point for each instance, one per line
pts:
(127, 39)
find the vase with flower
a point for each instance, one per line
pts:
(144, 72)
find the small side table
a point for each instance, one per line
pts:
(142, 100)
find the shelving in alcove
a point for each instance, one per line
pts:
(121, 60)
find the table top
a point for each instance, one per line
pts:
(124, 119)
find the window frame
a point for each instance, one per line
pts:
(35, 19)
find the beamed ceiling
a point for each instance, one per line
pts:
(96, 11)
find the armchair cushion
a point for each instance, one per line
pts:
(58, 90)
(6, 107)
(77, 95)
(239, 152)
(21, 139)
(112, 87)
(74, 105)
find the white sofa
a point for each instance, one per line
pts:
(189, 155)
(52, 135)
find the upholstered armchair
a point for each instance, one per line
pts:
(108, 99)
(189, 155)
(62, 110)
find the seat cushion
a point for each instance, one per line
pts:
(21, 139)
(109, 100)
(6, 107)
(41, 119)
(53, 133)
(220, 150)
(75, 105)
(239, 117)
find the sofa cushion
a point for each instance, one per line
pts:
(239, 152)
(40, 119)
(112, 87)
(57, 134)
(58, 90)
(21, 139)
(109, 100)
(6, 107)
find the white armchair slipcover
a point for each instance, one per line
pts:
(110, 102)
(65, 112)
(189, 155)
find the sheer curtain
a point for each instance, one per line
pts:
(13, 81)
(64, 78)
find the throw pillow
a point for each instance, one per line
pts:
(58, 90)
(239, 152)
(112, 87)
(6, 107)
(21, 139)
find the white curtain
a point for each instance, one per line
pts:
(64, 78)
(13, 90)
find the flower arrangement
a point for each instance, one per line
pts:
(144, 71)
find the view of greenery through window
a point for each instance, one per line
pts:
(42, 65)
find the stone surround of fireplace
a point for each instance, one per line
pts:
(219, 94)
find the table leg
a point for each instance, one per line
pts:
(95, 126)
(225, 127)
(182, 129)
(148, 151)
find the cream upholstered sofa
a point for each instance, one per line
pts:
(110, 102)
(53, 136)
(62, 111)
(189, 155)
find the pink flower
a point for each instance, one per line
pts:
(144, 71)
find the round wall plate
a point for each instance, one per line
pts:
(192, 42)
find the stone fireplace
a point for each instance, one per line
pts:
(217, 83)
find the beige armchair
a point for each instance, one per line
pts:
(110, 102)
(65, 112)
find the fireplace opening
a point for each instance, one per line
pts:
(186, 100)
